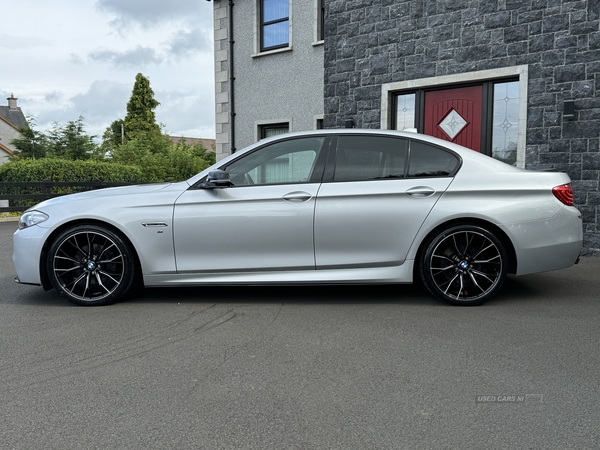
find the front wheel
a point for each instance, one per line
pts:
(463, 265)
(90, 265)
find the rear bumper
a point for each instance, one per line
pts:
(549, 244)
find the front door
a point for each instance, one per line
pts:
(263, 222)
(455, 115)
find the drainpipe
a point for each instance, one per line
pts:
(231, 77)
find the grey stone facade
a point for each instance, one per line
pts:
(370, 43)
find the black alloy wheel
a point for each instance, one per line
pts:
(464, 265)
(91, 265)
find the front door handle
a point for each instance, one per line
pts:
(297, 197)
(421, 191)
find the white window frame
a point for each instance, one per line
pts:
(318, 38)
(258, 30)
(260, 124)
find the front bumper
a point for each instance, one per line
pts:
(27, 251)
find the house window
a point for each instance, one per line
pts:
(273, 129)
(274, 24)
(320, 23)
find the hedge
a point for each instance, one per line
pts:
(62, 170)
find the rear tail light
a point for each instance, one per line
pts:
(564, 193)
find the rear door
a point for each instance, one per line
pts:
(381, 191)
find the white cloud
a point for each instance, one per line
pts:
(138, 57)
(184, 42)
(67, 58)
(150, 12)
(22, 42)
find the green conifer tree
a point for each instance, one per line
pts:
(140, 118)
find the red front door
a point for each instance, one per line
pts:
(455, 115)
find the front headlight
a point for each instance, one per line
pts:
(31, 218)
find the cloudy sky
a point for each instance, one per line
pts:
(66, 58)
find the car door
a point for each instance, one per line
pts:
(263, 222)
(382, 190)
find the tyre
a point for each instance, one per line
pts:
(91, 265)
(463, 265)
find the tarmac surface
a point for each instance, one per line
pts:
(302, 368)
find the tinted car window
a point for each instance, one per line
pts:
(290, 161)
(429, 161)
(361, 158)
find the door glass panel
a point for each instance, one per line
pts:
(506, 121)
(290, 161)
(429, 161)
(405, 111)
(361, 158)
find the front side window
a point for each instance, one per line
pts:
(274, 24)
(290, 161)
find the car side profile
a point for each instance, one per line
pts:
(326, 206)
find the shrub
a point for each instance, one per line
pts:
(61, 170)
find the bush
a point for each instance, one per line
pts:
(61, 170)
(161, 160)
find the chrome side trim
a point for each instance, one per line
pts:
(154, 224)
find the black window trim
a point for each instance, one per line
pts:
(271, 126)
(263, 24)
(329, 172)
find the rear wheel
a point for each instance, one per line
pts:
(91, 265)
(463, 265)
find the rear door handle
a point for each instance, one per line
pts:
(421, 191)
(297, 197)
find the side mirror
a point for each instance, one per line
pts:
(217, 179)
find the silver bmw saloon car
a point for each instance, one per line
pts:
(327, 206)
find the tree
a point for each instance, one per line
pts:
(71, 141)
(64, 142)
(32, 144)
(140, 118)
(113, 137)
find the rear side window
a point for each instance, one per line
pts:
(361, 158)
(429, 161)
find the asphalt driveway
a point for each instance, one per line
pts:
(302, 368)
